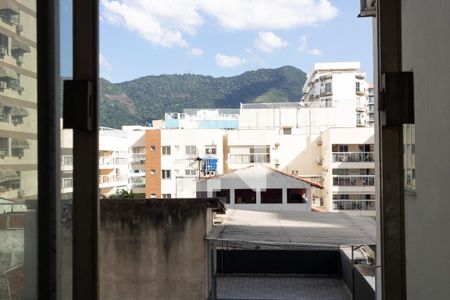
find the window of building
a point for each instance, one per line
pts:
(211, 150)
(17, 152)
(165, 174)
(190, 172)
(296, 196)
(191, 150)
(365, 148)
(224, 195)
(165, 150)
(287, 130)
(339, 148)
(358, 86)
(4, 147)
(274, 196)
(152, 148)
(4, 41)
(152, 196)
(152, 172)
(328, 87)
(244, 196)
(166, 196)
(4, 113)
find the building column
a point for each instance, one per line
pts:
(258, 197)
(232, 203)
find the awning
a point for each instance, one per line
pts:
(5, 72)
(19, 112)
(8, 175)
(20, 45)
(9, 5)
(20, 144)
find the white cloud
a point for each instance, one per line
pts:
(104, 63)
(268, 42)
(160, 22)
(315, 52)
(303, 47)
(165, 23)
(228, 61)
(196, 52)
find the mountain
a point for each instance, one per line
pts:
(147, 98)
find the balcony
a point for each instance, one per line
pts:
(362, 180)
(137, 182)
(357, 157)
(112, 180)
(111, 161)
(138, 159)
(360, 92)
(249, 158)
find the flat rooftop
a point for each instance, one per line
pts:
(292, 229)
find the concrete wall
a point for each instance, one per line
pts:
(153, 249)
(426, 43)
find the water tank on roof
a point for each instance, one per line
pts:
(209, 164)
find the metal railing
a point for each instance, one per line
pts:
(353, 157)
(354, 180)
(249, 158)
(111, 178)
(138, 159)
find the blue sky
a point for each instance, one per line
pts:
(228, 37)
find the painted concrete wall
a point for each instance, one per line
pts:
(426, 44)
(153, 249)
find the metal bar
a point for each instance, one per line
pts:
(48, 150)
(391, 210)
(85, 149)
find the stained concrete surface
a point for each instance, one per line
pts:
(293, 229)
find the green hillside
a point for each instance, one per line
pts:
(147, 98)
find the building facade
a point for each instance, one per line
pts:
(18, 100)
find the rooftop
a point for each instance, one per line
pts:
(293, 229)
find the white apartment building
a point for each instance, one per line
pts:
(113, 161)
(136, 158)
(349, 170)
(337, 85)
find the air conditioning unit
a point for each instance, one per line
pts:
(3, 85)
(19, 28)
(368, 8)
(3, 51)
(19, 59)
(20, 89)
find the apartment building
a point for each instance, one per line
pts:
(349, 170)
(176, 158)
(18, 100)
(339, 85)
(113, 162)
(136, 158)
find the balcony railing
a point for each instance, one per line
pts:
(249, 158)
(362, 204)
(138, 159)
(354, 180)
(105, 179)
(110, 160)
(353, 157)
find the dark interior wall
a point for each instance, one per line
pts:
(305, 262)
(153, 249)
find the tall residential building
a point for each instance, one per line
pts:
(339, 84)
(18, 100)
(348, 166)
